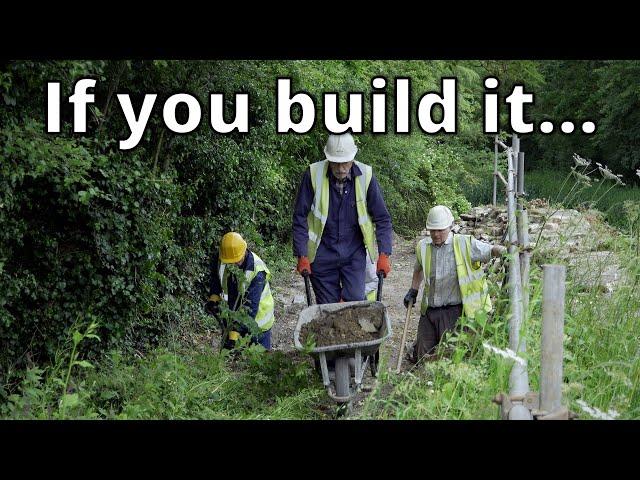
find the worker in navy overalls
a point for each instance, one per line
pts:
(338, 217)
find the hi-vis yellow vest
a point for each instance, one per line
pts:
(264, 317)
(473, 284)
(317, 217)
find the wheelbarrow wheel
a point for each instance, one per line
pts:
(343, 377)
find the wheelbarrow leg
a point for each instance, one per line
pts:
(324, 370)
(375, 359)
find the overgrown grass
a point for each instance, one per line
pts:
(461, 383)
(175, 381)
(601, 361)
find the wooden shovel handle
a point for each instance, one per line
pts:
(404, 336)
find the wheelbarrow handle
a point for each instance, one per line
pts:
(380, 281)
(307, 286)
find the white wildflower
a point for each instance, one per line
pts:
(638, 172)
(606, 173)
(581, 162)
(595, 413)
(581, 178)
(508, 353)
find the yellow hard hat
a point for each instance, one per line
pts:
(232, 248)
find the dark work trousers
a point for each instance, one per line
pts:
(432, 327)
(263, 339)
(336, 278)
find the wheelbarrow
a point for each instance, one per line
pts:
(343, 365)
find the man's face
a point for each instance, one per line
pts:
(340, 170)
(439, 236)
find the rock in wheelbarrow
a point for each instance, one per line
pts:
(369, 325)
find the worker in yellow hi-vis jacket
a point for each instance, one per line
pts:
(251, 292)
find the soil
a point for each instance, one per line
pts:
(349, 325)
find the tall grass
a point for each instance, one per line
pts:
(553, 186)
(180, 380)
(601, 359)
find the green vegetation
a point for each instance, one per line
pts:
(125, 236)
(98, 242)
(601, 362)
(603, 91)
(560, 187)
(181, 379)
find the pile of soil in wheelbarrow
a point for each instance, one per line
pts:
(349, 325)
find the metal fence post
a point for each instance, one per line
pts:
(520, 178)
(553, 293)
(519, 378)
(495, 170)
(515, 145)
(523, 238)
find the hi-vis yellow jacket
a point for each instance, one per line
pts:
(473, 284)
(264, 317)
(317, 217)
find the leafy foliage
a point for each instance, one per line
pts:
(122, 235)
(605, 92)
(123, 238)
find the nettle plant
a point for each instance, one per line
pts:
(232, 319)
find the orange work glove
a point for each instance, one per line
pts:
(303, 264)
(384, 265)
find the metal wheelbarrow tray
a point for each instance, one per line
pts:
(347, 356)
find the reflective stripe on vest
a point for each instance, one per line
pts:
(317, 217)
(474, 289)
(264, 317)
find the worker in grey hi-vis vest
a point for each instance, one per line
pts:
(449, 265)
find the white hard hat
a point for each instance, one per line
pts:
(340, 148)
(439, 218)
